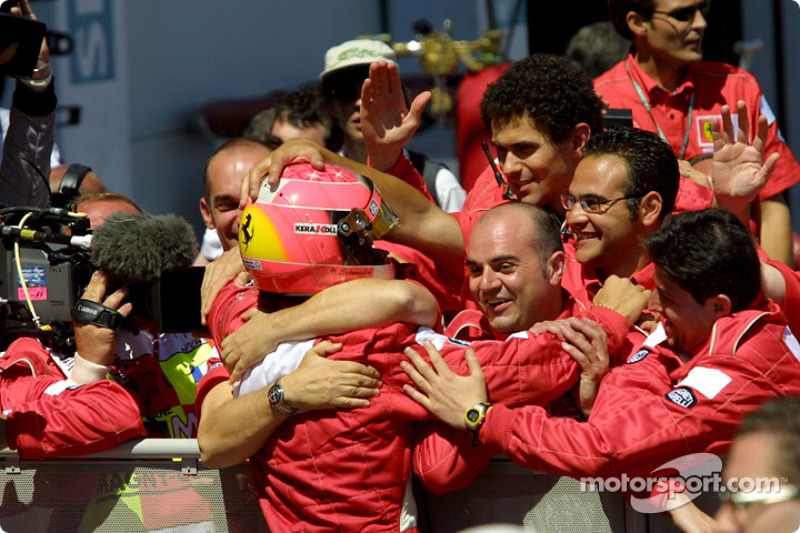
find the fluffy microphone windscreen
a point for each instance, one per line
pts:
(133, 248)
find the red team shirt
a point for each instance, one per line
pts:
(714, 85)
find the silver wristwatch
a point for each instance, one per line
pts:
(275, 396)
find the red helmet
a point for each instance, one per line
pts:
(314, 230)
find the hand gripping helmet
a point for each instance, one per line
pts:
(314, 230)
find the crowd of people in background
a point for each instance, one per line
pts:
(593, 300)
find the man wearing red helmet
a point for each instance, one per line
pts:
(347, 468)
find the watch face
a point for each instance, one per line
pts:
(275, 395)
(473, 415)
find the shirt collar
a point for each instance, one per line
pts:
(650, 86)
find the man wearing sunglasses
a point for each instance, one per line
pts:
(676, 94)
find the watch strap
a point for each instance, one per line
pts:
(474, 418)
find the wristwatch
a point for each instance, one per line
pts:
(275, 396)
(474, 417)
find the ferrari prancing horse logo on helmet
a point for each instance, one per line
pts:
(245, 231)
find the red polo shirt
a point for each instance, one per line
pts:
(714, 84)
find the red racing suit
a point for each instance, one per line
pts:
(49, 416)
(713, 85)
(349, 469)
(657, 407)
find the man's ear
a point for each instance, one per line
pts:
(650, 207)
(636, 23)
(205, 211)
(719, 305)
(580, 136)
(556, 266)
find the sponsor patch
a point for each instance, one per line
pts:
(252, 265)
(707, 381)
(683, 397)
(373, 208)
(316, 229)
(638, 356)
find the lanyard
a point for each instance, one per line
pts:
(646, 105)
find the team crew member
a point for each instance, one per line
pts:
(294, 451)
(721, 352)
(674, 93)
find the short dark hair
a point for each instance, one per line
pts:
(551, 90)
(597, 47)
(706, 253)
(781, 418)
(271, 144)
(618, 11)
(305, 107)
(546, 227)
(651, 163)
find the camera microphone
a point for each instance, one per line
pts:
(133, 248)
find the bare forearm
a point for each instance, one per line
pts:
(233, 429)
(358, 304)
(776, 230)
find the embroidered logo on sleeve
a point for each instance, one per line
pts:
(683, 397)
(707, 381)
(638, 356)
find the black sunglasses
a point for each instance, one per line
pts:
(686, 14)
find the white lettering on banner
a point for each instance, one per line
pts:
(92, 51)
(91, 23)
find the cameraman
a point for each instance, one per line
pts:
(47, 415)
(29, 135)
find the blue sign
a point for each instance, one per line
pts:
(91, 26)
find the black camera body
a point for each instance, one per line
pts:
(56, 273)
(22, 38)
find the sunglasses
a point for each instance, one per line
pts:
(346, 92)
(686, 14)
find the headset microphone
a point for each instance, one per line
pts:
(566, 233)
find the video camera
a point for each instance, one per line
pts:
(20, 42)
(44, 271)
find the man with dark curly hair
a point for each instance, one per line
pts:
(541, 112)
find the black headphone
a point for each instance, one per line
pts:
(70, 185)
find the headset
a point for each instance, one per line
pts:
(69, 186)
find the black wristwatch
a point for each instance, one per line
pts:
(474, 418)
(275, 396)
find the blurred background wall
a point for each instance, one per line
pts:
(140, 72)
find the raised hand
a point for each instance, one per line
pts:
(386, 121)
(739, 171)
